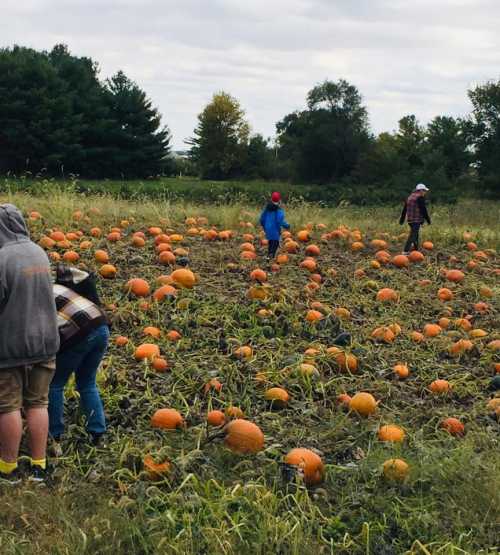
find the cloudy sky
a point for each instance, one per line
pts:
(405, 56)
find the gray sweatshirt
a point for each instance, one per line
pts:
(28, 320)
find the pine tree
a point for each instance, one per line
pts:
(139, 147)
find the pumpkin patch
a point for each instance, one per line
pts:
(325, 373)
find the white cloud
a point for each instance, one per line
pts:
(405, 57)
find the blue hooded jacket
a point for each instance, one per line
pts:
(272, 220)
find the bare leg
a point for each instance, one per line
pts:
(11, 431)
(38, 427)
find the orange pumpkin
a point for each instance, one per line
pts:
(147, 351)
(258, 275)
(216, 418)
(121, 341)
(384, 334)
(416, 257)
(401, 261)
(152, 331)
(108, 271)
(363, 403)
(167, 419)
(347, 361)
(234, 412)
(303, 235)
(243, 437)
(160, 364)
(396, 470)
(391, 432)
(101, 256)
(445, 294)
(167, 258)
(155, 471)
(454, 275)
(453, 426)
(309, 264)
(387, 295)
(184, 278)
(277, 396)
(432, 330)
(138, 287)
(312, 250)
(401, 370)
(440, 386)
(314, 316)
(164, 292)
(309, 463)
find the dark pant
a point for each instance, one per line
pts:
(272, 247)
(413, 237)
(84, 360)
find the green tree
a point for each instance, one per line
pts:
(139, 146)
(447, 139)
(484, 127)
(56, 116)
(259, 161)
(220, 141)
(38, 127)
(324, 142)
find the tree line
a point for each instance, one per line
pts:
(58, 117)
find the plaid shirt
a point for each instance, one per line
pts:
(76, 316)
(415, 210)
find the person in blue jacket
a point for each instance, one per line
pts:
(272, 220)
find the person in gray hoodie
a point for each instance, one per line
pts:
(29, 341)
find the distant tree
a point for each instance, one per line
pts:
(324, 142)
(448, 139)
(259, 161)
(484, 127)
(57, 117)
(38, 127)
(139, 146)
(90, 154)
(220, 140)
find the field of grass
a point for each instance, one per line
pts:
(188, 189)
(217, 501)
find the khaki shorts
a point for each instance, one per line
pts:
(25, 386)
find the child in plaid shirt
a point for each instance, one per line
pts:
(84, 334)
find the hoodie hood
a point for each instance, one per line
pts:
(272, 207)
(12, 225)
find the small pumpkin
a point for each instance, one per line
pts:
(216, 418)
(453, 426)
(440, 386)
(277, 396)
(392, 433)
(396, 470)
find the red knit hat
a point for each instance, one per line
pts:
(275, 197)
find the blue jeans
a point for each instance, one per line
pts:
(84, 360)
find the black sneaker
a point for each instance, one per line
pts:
(38, 475)
(12, 479)
(97, 440)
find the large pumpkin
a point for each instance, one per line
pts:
(243, 436)
(309, 463)
(138, 287)
(184, 278)
(167, 419)
(363, 403)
